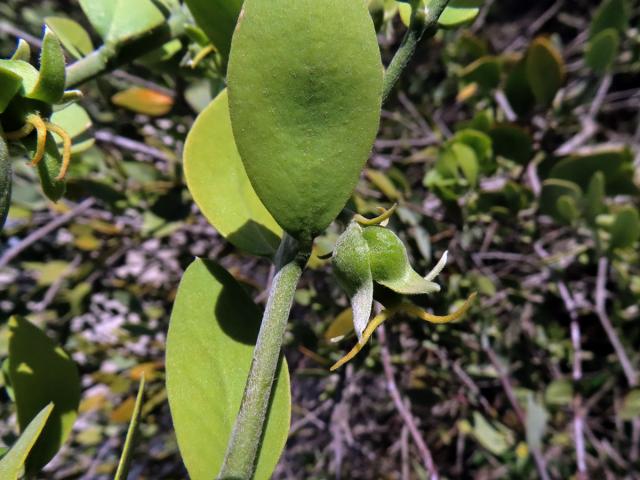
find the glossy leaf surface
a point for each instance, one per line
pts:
(304, 116)
(42, 373)
(212, 333)
(219, 184)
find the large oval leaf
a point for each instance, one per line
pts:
(218, 20)
(305, 89)
(42, 373)
(219, 184)
(213, 329)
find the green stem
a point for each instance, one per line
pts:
(424, 21)
(243, 447)
(109, 57)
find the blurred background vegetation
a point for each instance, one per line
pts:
(513, 142)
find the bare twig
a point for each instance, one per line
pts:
(403, 409)
(131, 145)
(578, 409)
(601, 311)
(45, 230)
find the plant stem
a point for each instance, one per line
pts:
(424, 21)
(243, 447)
(109, 57)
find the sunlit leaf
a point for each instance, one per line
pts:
(12, 464)
(304, 126)
(72, 35)
(42, 373)
(220, 186)
(212, 334)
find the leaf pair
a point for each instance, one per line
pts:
(286, 148)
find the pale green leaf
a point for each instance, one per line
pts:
(42, 373)
(219, 184)
(212, 333)
(72, 35)
(12, 464)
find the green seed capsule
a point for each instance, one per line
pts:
(305, 92)
(353, 271)
(387, 255)
(390, 265)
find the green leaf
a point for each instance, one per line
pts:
(5, 182)
(219, 184)
(218, 20)
(12, 464)
(518, 90)
(72, 35)
(495, 439)
(630, 406)
(50, 85)
(559, 392)
(625, 230)
(610, 14)
(304, 126)
(459, 12)
(512, 142)
(552, 191)
(42, 373)
(467, 161)
(545, 70)
(481, 144)
(125, 459)
(22, 52)
(10, 83)
(579, 169)
(118, 21)
(76, 122)
(352, 268)
(485, 72)
(602, 50)
(536, 422)
(594, 199)
(212, 333)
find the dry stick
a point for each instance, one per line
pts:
(131, 145)
(45, 230)
(403, 409)
(589, 125)
(539, 459)
(601, 311)
(578, 410)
